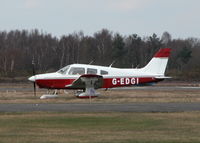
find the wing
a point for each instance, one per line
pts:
(87, 81)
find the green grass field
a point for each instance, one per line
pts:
(42, 127)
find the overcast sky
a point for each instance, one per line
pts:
(181, 18)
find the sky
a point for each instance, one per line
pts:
(181, 18)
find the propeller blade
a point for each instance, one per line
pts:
(34, 86)
(33, 68)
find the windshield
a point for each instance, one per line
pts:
(63, 70)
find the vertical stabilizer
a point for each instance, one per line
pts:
(158, 63)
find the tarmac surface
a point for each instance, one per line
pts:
(93, 107)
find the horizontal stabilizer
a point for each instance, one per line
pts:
(163, 77)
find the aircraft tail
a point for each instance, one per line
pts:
(158, 63)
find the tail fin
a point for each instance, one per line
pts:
(158, 63)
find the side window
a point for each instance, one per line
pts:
(76, 71)
(91, 71)
(103, 72)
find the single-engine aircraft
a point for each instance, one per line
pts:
(87, 78)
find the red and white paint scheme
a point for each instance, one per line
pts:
(91, 77)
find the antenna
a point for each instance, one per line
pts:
(137, 66)
(91, 62)
(112, 64)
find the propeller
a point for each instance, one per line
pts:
(33, 68)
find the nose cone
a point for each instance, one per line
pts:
(32, 78)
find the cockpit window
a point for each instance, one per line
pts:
(76, 71)
(91, 71)
(103, 72)
(63, 70)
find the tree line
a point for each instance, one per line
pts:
(19, 48)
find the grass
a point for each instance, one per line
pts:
(42, 127)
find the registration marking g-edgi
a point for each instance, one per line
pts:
(125, 81)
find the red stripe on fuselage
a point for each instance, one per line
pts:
(54, 83)
(107, 82)
(129, 81)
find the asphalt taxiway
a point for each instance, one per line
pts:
(93, 107)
